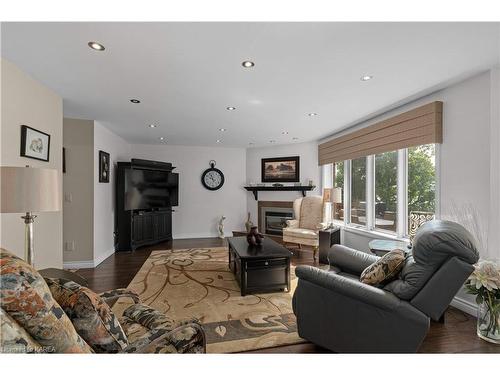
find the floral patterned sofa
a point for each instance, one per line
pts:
(40, 315)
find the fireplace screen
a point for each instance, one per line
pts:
(276, 221)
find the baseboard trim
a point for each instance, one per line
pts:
(103, 257)
(184, 236)
(464, 305)
(78, 264)
(87, 263)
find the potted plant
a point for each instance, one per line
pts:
(484, 283)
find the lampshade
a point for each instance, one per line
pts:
(327, 195)
(29, 190)
(337, 195)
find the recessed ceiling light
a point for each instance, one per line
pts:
(284, 132)
(161, 138)
(218, 141)
(294, 138)
(272, 141)
(248, 64)
(251, 143)
(96, 46)
(152, 126)
(312, 114)
(231, 108)
(366, 78)
(135, 101)
(222, 129)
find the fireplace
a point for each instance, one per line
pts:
(273, 216)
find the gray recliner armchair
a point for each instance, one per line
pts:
(336, 311)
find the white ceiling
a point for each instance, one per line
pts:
(186, 74)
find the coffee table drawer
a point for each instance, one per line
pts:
(265, 278)
(266, 263)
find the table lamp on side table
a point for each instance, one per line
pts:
(29, 190)
(332, 196)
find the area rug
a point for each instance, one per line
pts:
(198, 283)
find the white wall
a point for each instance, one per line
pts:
(24, 101)
(200, 209)
(309, 170)
(104, 193)
(78, 191)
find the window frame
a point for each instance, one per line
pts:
(402, 195)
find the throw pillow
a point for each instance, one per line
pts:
(91, 316)
(26, 298)
(384, 269)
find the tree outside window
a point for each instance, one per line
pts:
(386, 190)
(358, 191)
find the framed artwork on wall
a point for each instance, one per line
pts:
(35, 144)
(104, 168)
(284, 169)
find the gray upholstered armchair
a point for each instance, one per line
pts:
(336, 311)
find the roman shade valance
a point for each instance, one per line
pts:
(416, 127)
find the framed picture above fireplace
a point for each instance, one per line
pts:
(284, 169)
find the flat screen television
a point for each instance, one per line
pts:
(149, 189)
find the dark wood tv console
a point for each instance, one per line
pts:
(136, 228)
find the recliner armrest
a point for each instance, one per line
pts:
(350, 260)
(292, 223)
(349, 288)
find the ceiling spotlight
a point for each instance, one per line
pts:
(222, 129)
(161, 138)
(284, 132)
(96, 46)
(218, 141)
(135, 101)
(152, 126)
(294, 138)
(312, 114)
(231, 108)
(248, 64)
(251, 143)
(272, 141)
(366, 78)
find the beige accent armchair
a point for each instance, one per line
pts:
(309, 220)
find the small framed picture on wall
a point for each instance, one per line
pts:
(34, 143)
(104, 168)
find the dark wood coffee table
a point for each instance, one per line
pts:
(261, 268)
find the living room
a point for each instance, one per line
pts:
(250, 187)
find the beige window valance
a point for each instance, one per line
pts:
(416, 127)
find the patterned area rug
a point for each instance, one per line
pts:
(198, 283)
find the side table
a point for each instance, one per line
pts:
(382, 247)
(327, 238)
(56, 273)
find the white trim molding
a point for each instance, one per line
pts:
(464, 305)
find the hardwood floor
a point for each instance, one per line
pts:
(456, 335)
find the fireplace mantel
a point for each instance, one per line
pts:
(255, 189)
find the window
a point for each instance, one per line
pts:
(421, 182)
(339, 183)
(358, 191)
(386, 190)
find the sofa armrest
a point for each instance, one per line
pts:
(153, 319)
(350, 288)
(292, 223)
(350, 260)
(114, 294)
(187, 338)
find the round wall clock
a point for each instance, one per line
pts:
(212, 178)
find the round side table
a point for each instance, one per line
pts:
(382, 247)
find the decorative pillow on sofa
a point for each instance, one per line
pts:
(26, 298)
(14, 338)
(385, 269)
(91, 316)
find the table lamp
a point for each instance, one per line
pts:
(29, 190)
(327, 199)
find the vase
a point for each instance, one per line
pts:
(488, 320)
(254, 238)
